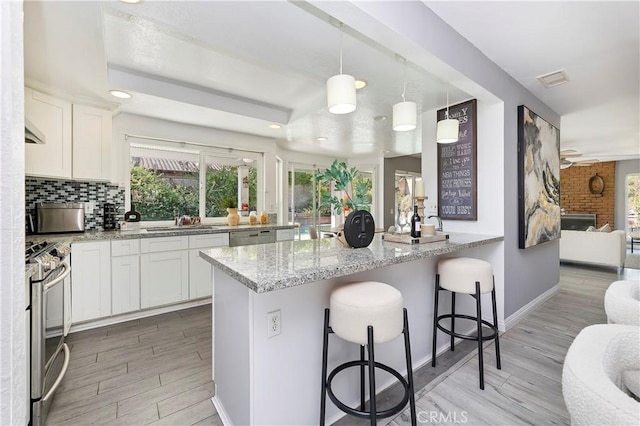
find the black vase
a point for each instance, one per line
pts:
(359, 228)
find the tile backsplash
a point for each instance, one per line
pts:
(47, 190)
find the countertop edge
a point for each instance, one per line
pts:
(293, 280)
(140, 234)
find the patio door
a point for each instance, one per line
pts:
(304, 193)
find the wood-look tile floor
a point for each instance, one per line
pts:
(157, 370)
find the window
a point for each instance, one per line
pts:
(305, 193)
(167, 182)
(164, 184)
(633, 202)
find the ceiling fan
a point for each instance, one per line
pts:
(565, 163)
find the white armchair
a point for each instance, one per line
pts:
(598, 375)
(622, 302)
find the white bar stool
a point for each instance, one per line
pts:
(367, 313)
(472, 277)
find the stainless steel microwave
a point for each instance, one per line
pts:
(59, 217)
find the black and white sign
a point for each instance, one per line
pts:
(457, 162)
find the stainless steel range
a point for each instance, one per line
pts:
(49, 305)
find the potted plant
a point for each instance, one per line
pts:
(343, 179)
(352, 202)
(231, 204)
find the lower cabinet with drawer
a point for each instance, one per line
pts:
(125, 276)
(285, 234)
(200, 273)
(164, 271)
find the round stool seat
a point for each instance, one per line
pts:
(459, 274)
(355, 306)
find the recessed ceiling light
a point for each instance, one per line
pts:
(321, 138)
(120, 94)
(131, 1)
(386, 151)
(360, 84)
(380, 118)
(275, 126)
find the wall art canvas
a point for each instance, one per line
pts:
(538, 179)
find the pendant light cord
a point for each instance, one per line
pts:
(341, 24)
(447, 114)
(404, 79)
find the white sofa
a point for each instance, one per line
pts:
(597, 248)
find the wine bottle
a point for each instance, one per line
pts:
(415, 223)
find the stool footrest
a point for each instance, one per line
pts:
(361, 413)
(492, 334)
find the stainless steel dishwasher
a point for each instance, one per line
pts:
(250, 237)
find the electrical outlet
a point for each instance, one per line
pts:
(273, 323)
(432, 208)
(89, 206)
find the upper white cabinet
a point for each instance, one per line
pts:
(53, 118)
(91, 143)
(77, 139)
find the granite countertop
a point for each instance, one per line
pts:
(269, 267)
(165, 231)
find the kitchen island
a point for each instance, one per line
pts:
(277, 380)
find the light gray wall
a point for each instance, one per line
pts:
(406, 164)
(417, 33)
(623, 168)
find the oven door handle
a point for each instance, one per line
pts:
(61, 277)
(65, 365)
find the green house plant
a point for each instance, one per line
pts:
(344, 180)
(231, 204)
(359, 225)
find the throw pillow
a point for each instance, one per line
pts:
(604, 228)
(591, 229)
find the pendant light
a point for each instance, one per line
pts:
(341, 90)
(405, 114)
(448, 128)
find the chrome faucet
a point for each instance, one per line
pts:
(439, 228)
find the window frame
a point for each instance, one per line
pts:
(203, 153)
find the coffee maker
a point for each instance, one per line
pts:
(109, 216)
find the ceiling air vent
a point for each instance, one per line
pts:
(553, 79)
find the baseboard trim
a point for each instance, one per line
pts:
(224, 418)
(129, 316)
(521, 313)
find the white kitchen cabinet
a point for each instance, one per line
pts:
(125, 276)
(285, 234)
(91, 143)
(90, 280)
(164, 271)
(52, 117)
(200, 272)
